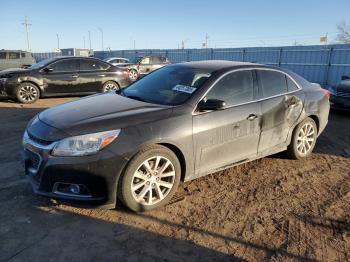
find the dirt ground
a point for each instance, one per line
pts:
(270, 209)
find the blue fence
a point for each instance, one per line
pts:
(324, 64)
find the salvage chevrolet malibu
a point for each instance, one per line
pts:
(181, 122)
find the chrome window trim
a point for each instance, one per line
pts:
(253, 101)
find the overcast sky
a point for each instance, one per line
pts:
(164, 24)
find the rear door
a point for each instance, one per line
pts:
(91, 75)
(281, 106)
(14, 60)
(63, 78)
(230, 135)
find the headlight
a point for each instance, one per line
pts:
(85, 144)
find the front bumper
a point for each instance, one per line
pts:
(339, 102)
(96, 174)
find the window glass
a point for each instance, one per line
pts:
(92, 65)
(272, 83)
(65, 65)
(23, 55)
(235, 88)
(2, 55)
(145, 61)
(170, 85)
(291, 85)
(14, 55)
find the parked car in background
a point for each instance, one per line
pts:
(144, 65)
(117, 61)
(181, 122)
(340, 94)
(15, 59)
(62, 76)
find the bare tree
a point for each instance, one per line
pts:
(343, 33)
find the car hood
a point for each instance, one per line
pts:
(14, 71)
(102, 112)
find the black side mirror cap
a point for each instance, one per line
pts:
(211, 105)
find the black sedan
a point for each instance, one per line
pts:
(340, 95)
(179, 123)
(62, 76)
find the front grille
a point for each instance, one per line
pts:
(38, 140)
(33, 160)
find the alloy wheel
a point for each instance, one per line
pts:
(153, 180)
(28, 93)
(110, 87)
(306, 138)
(133, 75)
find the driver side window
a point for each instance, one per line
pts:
(145, 61)
(234, 88)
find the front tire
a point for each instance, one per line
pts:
(27, 93)
(303, 139)
(150, 179)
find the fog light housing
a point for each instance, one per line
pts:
(74, 189)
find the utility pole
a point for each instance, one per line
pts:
(26, 25)
(84, 41)
(182, 44)
(206, 40)
(89, 40)
(134, 44)
(101, 37)
(58, 42)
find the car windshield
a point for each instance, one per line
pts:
(170, 85)
(42, 63)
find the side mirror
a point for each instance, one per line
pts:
(344, 77)
(48, 69)
(211, 104)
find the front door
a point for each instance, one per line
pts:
(61, 77)
(230, 135)
(281, 106)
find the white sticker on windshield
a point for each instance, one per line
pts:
(184, 89)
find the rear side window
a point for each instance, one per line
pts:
(158, 60)
(2, 55)
(291, 85)
(234, 88)
(65, 65)
(14, 55)
(92, 65)
(272, 83)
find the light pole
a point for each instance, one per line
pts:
(89, 40)
(100, 29)
(26, 25)
(58, 42)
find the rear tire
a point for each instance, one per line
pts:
(150, 179)
(303, 139)
(27, 93)
(110, 86)
(133, 74)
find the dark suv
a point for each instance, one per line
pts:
(145, 65)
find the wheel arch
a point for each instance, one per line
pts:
(180, 156)
(33, 83)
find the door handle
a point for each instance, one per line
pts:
(101, 75)
(251, 117)
(75, 76)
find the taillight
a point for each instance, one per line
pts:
(326, 93)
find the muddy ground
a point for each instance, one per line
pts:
(270, 209)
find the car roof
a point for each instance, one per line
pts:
(5, 50)
(109, 58)
(75, 57)
(216, 65)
